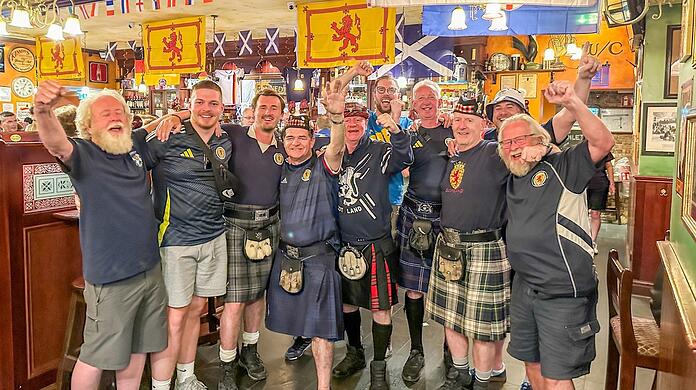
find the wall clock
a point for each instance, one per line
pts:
(22, 59)
(500, 62)
(23, 87)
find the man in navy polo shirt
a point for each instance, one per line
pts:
(554, 293)
(124, 291)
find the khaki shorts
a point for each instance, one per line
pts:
(199, 270)
(123, 318)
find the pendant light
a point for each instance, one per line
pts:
(458, 21)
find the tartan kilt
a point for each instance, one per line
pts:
(316, 311)
(414, 270)
(478, 305)
(377, 290)
(247, 280)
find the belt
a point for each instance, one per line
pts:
(301, 252)
(384, 242)
(492, 235)
(422, 207)
(252, 215)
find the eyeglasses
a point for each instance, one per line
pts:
(519, 141)
(381, 89)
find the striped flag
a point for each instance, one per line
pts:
(88, 10)
(139, 5)
(125, 6)
(156, 4)
(245, 42)
(188, 2)
(109, 7)
(219, 41)
(171, 3)
(272, 40)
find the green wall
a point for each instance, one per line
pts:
(655, 47)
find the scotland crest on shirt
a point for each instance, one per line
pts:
(136, 158)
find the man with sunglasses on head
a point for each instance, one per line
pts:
(553, 317)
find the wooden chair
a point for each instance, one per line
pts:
(634, 341)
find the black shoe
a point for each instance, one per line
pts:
(378, 375)
(447, 359)
(298, 348)
(250, 360)
(413, 366)
(456, 379)
(480, 385)
(500, 378)
(352, 363)
(229, 376)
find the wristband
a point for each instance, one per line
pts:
(339, 118)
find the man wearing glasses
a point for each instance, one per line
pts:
(554, 294)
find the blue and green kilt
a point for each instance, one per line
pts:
(414, 267)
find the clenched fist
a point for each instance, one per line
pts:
(386, 120)
(47, 96)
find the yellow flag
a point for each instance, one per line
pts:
(175, 46)
(60, 59)
(334, 33)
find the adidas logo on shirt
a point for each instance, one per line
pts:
(187, 153)
(284, 181)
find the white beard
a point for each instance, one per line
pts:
(519, 169)
(114, 144)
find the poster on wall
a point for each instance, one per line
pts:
(5, 94)
(659, 129)
(23, 110)
(8, 107)
(685, 99)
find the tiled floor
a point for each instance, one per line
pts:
(299, 375)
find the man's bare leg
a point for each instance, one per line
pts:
(163, 363)
(85, 377)
(533, 370)
(129, 378)
(484, 358)
(322, 350)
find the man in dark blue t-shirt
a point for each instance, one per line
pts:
(124, 291)
(553, 317)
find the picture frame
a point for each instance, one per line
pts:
(672, 55)
(659, 128)
(685, 96)
(508, 81)
(687, 29)
(688, 210)
(528, 82)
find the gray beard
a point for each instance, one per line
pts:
(112, 144)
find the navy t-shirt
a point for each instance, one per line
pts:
(548, 232)
(429, 162)
(187, 202)
(473, 190)
(600, 180)
(118, 229)
(258, 172)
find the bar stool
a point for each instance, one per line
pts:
(73, 339)
(633, 341)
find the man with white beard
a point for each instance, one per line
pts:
(124, 291)
(553, 319)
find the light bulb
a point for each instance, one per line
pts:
(401, 82)
(549, 54)
(499, 24)
(20, 18)
(492, 12)
(577, 54)
(72, 25)
(458, 21)
(142, 87)
(55, 33)
(299, 85)
(571, 48)
(3, 28)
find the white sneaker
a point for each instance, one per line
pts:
(191, 383)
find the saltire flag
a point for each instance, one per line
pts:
(188, 2)
(131, 45)
(526, 20)
(338, 33)
(125, 6)
(219, 39)
(272, 40)
(156, 4)
(171, 3)
(59, 59)
(139, 5)
(175, 46)
(109, 7)
(111, 51)
(419, 55)
(88, 10)
(245, 43)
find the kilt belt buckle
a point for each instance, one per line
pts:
(260, 215)
(425, 208)
(292, 251)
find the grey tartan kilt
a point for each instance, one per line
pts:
(478, 305)
(247, 280)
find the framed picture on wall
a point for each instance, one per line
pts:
(672, 56)
(687, 29)
(508, 81)
(528, 83)
(659, 129)
(688, 212)
(685, 96)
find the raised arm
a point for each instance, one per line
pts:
(362, 68)
(334, 97)
(400, 151)
(589, 65)
(50, 131)
(599, 139)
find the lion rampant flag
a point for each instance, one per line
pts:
(175, 46)
(60, 59)
(335, 33)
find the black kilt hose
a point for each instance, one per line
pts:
(315, 311)
(477, 305)
(377, 290)
(247, 280)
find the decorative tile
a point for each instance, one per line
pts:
(46, 187)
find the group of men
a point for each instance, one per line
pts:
(239, 214)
